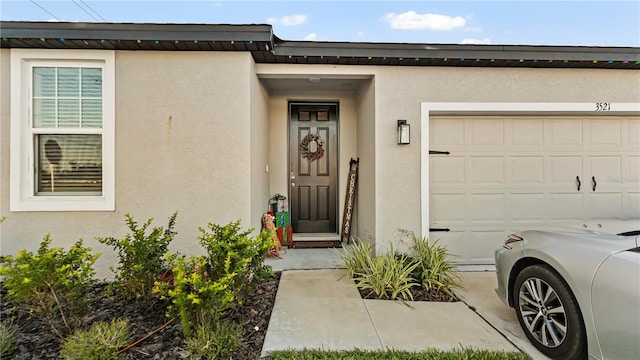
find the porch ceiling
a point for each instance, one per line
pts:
(312, 83)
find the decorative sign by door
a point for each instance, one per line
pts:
(350, 198)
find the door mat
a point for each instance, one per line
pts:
(316, 244)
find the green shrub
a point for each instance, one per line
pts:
(141, 256)
(388, 276)
(51, 283)
(263, 273)
(100, 342)
(215, 340)
(8, 338)
(357, 256)
(229, 246)
(195, 292)
(435, 270)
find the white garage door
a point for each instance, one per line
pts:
(508, 173)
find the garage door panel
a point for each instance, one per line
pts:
(448, 208)
(604, 205)
(633, 169)
(486, 207)
(632, 135)
(527, 170)
(487, 134)
(632, 205)
(527, 134)
(487, 170)
(565, 134)
(566, 206)
(453, 241)
(447, 133)
(605, 133)
(564, 169)
(605, 169)
(482, 245)
(526, 207)
(470, 247)
(447, 170)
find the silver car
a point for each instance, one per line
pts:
(576, 292)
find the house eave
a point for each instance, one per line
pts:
(265, 47)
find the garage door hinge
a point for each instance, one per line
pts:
(435, 152)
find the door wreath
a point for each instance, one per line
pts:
(307, 147)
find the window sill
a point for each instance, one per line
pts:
(59, 203)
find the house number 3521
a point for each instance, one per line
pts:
(603, 106)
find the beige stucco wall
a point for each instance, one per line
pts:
(190, 136)
(183, 142)
(365, 197)
(390, 184)
(399, 92)
(260, 144)
(5, 118)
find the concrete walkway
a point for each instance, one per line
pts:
(322, 309)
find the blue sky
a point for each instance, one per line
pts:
(590, 23)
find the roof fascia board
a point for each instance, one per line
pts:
(457, 51)
(126, 31)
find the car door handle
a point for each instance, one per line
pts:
(578, 181)
(593, 180)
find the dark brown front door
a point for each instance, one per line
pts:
(314, 165)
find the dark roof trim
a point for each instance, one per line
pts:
(265, 47)
(131, 31)
(470, 52)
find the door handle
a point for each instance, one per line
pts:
(579, 183)
(293, 184)
(593, 180)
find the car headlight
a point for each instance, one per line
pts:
(510, 240)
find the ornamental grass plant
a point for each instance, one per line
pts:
(387, 276)
(357, 256)
(101, 341)
(215, 340)
(394, 275)
(435, 270)
(8, 338)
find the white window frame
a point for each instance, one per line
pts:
(22, 166)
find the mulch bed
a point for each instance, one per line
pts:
(36, 340)
(418, 293)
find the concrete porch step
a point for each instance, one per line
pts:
(315, 237)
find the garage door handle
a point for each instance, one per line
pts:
(579, 183)
(593, 179)
(439, 230)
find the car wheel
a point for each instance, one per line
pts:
(549, 313)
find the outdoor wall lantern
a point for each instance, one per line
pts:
(404, 130)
